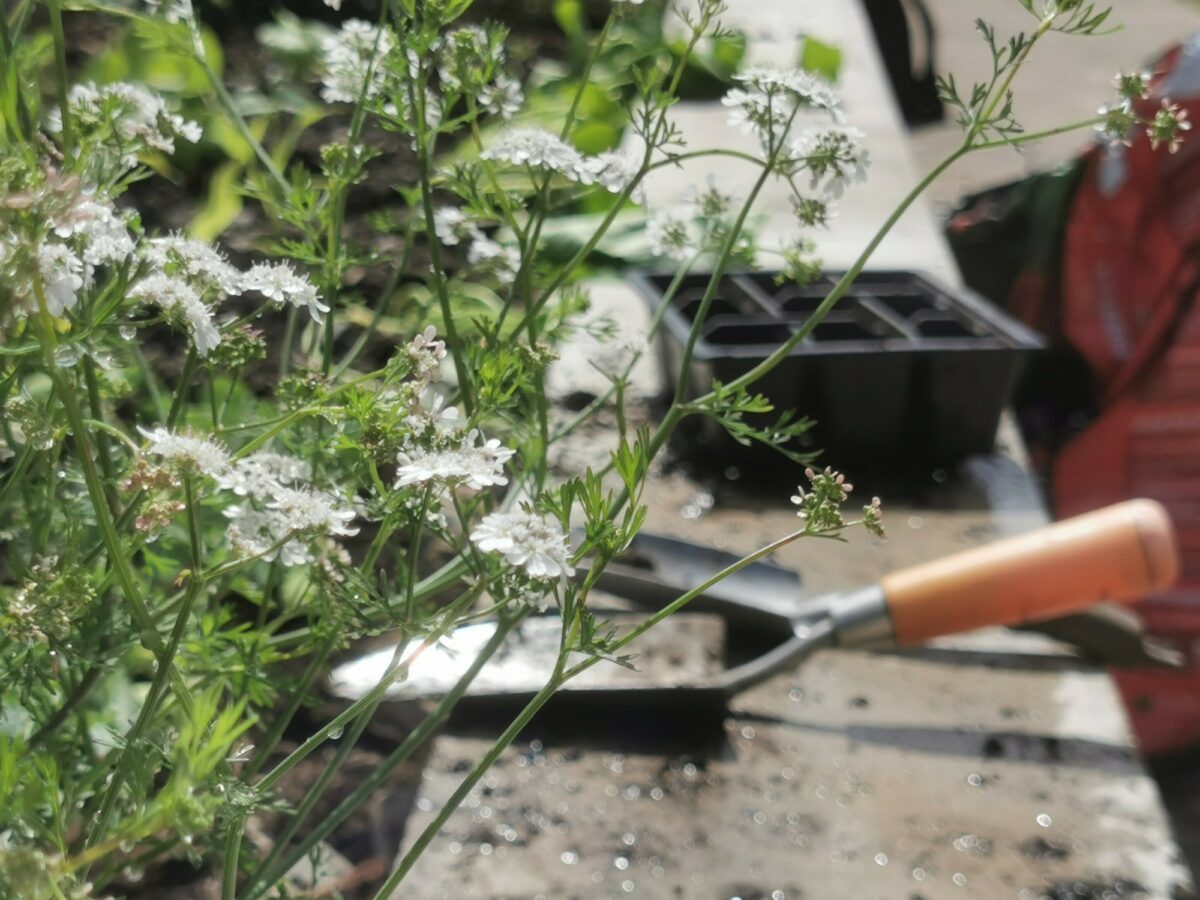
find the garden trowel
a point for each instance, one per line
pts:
(1118, 554)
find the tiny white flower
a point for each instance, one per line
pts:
(280, 284)
(104, 236)
(197, 262)
(452, 226)
(427, 353)
(614, 170)
(446, 421)
(501, 261)
(475, 463)
(173, 295)
(503, 97)
(309, 511)
(674, 233)
(140, 118)
(63, 275)
(261, 474)
(526, 539)
(769, 99)
(199, 454)
(835, 155)
(347, 56)
(539, 149)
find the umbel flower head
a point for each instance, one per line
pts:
(281, 284)
(539, 149)
(126, 119)
(354, 61)
(279, 513)
(474, 462)
(833, 156)
(770, 98)
(527, 539)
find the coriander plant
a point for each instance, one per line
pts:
(218, 469)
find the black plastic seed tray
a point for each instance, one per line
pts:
(904, 370)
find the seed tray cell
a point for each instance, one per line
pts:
(903, 370)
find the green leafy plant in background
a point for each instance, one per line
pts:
(215, 473)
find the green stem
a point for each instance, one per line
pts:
(710, 292)
(78, 694)
(233, 849)
(1019, 139)
(289, 342)
(518, 724)
(781, 353)
(339, 722)
(60, 76)
(235, 117)
(166, 663)
(181, 392)
(385, 768)
(281, 721)
(438, 276)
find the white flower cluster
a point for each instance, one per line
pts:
(439, 452)
(426, 353)
(472, 462)
(187, 278)
(280, 284)
(675, 232)
(771, 98)
(452, 226)
(699, 223)
(278, 514)
(500, 260)
(471, 60)
(835, 156)
(178, 298)
(536, 148)
(85, 234)
(138, 119)
(182, 277)
(354, 61)
(527, 539)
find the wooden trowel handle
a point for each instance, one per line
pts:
(1120, 553)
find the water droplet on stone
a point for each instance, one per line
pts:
(881, 859)
(959, 878)
(1044, 820)
(569, 858)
